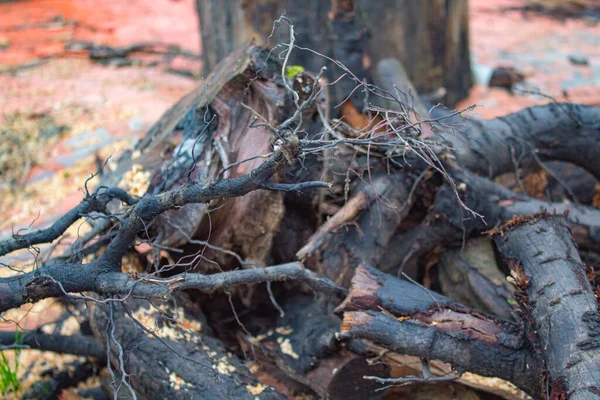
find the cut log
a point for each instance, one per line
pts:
(556, 298)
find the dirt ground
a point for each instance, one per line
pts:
(538, 46)
(104, 109)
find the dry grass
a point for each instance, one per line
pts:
(24, 139)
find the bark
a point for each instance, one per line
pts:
(360, 231)
(448, 224)
(430, 38)
(555, 131)
(225, 148)
(88, 205)
(67, 377)
(409, 319)
(557, 300)
(423, 341)
(60, 280)
(568, 181)
(495, 386)
(175, 205)
(164, 360)
(77, 344)
(433, 33)
(206, 131)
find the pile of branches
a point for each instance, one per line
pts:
(251, 246)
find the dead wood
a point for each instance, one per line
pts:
(303, 346)
(555, 131)
(78, 344)
(386, 29)
(409, 319)
(164, 359)
(402, 365)
(222, 180)
(557, 302)
(67, 377)
(360, 231)
(447, 224)
(209, 130)
(471, 276)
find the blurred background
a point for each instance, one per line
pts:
(82, 80)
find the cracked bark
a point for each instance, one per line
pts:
(557, 299)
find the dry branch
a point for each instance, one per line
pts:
(163, 362)
(217, 176)
(556, 298)
(60, 280)
(409, 319)
(556, 131)
(77, 344)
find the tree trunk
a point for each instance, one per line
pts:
(430, 38)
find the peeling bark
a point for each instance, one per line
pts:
(191, 162)
(206, 131)
(409, 319)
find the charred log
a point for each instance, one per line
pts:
(556, 131)
(409, 319)
(163, 360)
(386, 29)
(556, 298)
(449, 224)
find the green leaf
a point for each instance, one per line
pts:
(292, 70)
